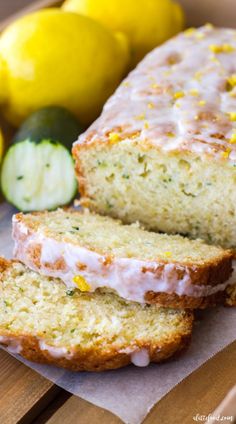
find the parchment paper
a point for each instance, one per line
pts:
(131, 392)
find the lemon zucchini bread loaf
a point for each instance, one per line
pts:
(44, 322)
(89, 251)
(163, 152)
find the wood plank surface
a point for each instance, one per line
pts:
(200, 393)
(23, 392)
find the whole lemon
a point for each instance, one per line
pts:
(53, 57)
(147, 23)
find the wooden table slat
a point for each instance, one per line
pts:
(76, 410)
(23, 392)
(200, 393)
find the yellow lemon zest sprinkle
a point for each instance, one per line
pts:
(135, 135)
(198, 75)
(150, 105)
(151, 78)
(155, 85)
(221, 48)
(146, 125)
(168, 254)
(178, 94)
(170, 134)
(233, 138)
(200, 35)
(232, 80)
(194, 92)
(228, 48)
(189, 31)
(214, 59)
(113, 136)
(167, 73)
(140, 117)
(202, 102)
(126, 84)
(209, 26)
(225, 154)
(232, 116)
(81, 283)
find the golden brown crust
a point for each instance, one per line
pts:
(94, 360)
(185, 302)
(210, 273)
(4, 264)
(79, 173)
(230, 299)
(34, 252)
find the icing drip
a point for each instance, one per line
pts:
(140, 358)
(12, 345)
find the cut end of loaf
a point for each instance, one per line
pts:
(169, 192)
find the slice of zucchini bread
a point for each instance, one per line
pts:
(44, 322)
(89, 251)
(163, 152)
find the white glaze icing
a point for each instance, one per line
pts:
(140, 358)
(13, 345)
(124, 275)
(145, 102)
(55, 351)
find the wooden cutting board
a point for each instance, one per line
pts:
(26, 397)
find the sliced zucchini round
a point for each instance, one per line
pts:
(38, 176)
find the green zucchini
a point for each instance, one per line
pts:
(53, 123)
(38, 169)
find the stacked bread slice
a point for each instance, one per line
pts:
(89, 251)
(90, 292)
(44, 322)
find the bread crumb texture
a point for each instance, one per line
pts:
(111, 238)
(164, 192)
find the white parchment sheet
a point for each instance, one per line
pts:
(131, 392)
